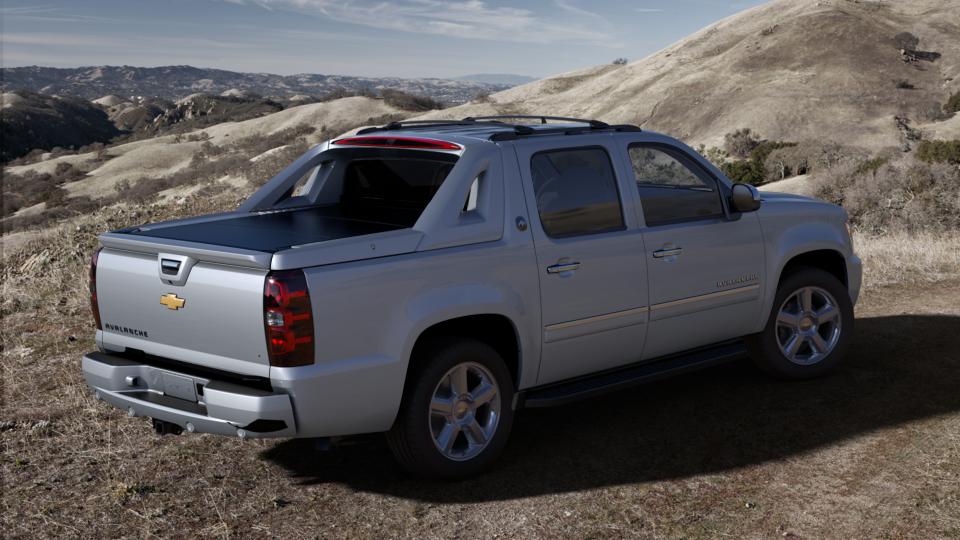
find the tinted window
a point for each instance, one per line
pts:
(397, 182)
(670, 190)
(576, 192)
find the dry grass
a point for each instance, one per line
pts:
(873, 451)
(908, 258)
(870, 452)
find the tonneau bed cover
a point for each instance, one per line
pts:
(274, 231)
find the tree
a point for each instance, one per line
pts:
(740, 143)
(906, 41)
(619, 61)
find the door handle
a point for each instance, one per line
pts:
(661, 253)
(560, 268)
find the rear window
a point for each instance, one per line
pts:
(376, 185)
(404, 183)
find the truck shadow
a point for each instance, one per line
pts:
(900, 369)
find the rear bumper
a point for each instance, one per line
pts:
(195, 403)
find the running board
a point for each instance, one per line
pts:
(620, 378)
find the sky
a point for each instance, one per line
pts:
(377, 38)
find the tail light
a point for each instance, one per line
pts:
(416, 143)
(93, 289)
(288, 319)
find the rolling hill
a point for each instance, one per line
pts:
(789, 69)
(29, 120)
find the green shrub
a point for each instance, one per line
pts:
(906, 41)
(714, 155)
(872, 165)
(745, 171)
(939, 151)
(409, 102)
(764, 149)
(755, 170)
(953, 104)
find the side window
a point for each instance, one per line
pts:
(669, 190)
(576, 192)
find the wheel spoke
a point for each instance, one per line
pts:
(458, 380)
(790, 320)
(793, 345)
(816, 340)
(447, 436)
(483, 393)
(826, 314)
(806, 299)
(441, 406)
(475, 432)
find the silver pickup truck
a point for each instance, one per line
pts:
(431, 279)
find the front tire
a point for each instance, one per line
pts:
(457, 411)
(809, 328)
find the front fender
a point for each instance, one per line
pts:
(788, 240)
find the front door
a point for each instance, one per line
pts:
(592, 274)
(705, 265)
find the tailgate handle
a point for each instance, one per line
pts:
(174, 269)
(169, 266)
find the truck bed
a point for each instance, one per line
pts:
(274, 231)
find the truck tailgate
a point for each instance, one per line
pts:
(214, 318)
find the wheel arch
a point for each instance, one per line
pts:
(829, 260)
(809, 245)
(495, 329)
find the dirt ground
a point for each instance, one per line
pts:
(872, 451)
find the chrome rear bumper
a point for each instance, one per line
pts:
(195, 403)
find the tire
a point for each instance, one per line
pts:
(472, 426)
(823, 336)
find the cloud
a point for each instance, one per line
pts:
(50, 14)
(129, 43)
(469, 19)
(58, 39)
(649, 10)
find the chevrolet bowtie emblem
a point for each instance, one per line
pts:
(172, 301)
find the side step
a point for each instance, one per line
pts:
(609, 381)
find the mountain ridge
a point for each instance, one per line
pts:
(178, 81)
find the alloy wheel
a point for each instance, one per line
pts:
(808, 326)
(464, 411)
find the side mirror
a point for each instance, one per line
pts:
(745, 198)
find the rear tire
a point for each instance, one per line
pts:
(809, 328)
(456, 413)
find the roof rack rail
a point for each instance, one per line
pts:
(407, 124)
(565, 130)
(597, 124)
(515, 130)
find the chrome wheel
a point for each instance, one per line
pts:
(464, 411)
(808, 326)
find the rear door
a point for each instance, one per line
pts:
(705, 265)
(590, 256)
